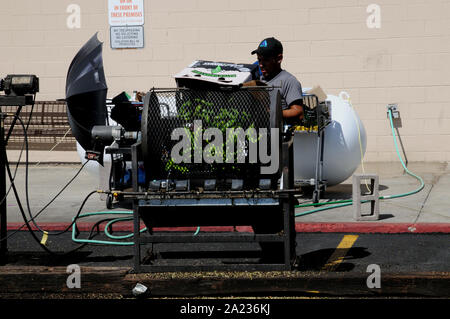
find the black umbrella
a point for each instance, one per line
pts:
(86, 93)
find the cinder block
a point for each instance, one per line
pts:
(359, 79)
(245, 35)
(373, 197)
(328, 48)
(437, 94)
(155, 68)
(283, 32)
(373, 95)
(280, 4)
(423, 11)
(6, 68)
(308, 4)
(55, 69)
(210, 35)
(198, 51)
(332, 80)
(407, 61)
(434, 156)
(30, 68)
(157, 19)
(169, 6)
(168, 52)
(407, 95)
(325, 15)
(243, 5)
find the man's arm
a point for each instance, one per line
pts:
(295, 110)
(294, 98)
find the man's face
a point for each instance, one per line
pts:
(270, 66)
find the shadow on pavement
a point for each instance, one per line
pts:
(316, 260)
(344, 191)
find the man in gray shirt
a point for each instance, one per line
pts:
(270, 56)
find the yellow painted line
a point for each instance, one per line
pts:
(313, 291)
(339, 254)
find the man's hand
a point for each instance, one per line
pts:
(140, 96)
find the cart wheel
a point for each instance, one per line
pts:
(315, 198)
(109, 200)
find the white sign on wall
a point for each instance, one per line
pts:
(126, 12)
(126, 18)
(127, 37)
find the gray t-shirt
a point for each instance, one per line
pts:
(289, 87)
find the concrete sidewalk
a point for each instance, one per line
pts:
(426, 211)
(44, 157)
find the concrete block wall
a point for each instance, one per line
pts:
(327, 42)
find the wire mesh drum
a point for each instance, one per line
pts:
(199, 134)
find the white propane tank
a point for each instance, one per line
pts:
(344, 141)
(97, 170)
(93, 167)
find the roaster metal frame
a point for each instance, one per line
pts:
(162, 208)
(280, 202)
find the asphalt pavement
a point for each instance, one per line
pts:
(414, 253)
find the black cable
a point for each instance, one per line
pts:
(32, 219)
(26, 167)
(90, 236)
(76, 216)
(37, 239)
(15, 173)
(20, 204)
(23, 213)
(54, 198)
(25, 143)
(21, 208)
(110, 179)
(26, 184)
(21, 149)
(25, 132)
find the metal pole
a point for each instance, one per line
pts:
(3, 221)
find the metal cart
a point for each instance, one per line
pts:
(316, 118)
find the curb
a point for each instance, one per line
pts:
(351, 227)
(373, 228)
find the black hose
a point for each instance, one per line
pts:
(26, 178)
(51, 201)
(27, 198)
(15, 173)
(26, 222)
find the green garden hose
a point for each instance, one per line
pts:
(104, 242)
(349, 202)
